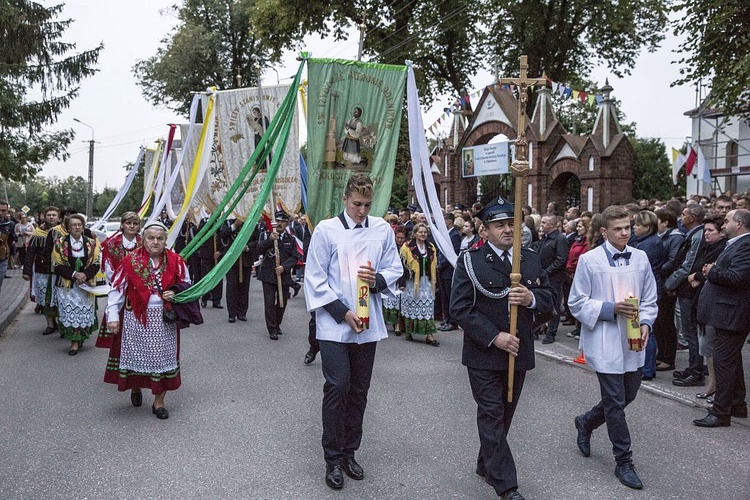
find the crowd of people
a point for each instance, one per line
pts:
(685, 262)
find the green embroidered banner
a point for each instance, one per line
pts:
(354, 115)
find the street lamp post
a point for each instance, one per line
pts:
(90, 193)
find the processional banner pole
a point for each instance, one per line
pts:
(519, 168)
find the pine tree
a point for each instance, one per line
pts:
(34, 60)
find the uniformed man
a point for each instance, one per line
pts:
(480, 302)
(238, 276)
(209, 254)
(268, 272)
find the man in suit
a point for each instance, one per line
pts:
(238, 276)
(683, 266)
(269, 272)
(725, 304)
(479, 302)
(365, 247)
(553, 254)
(445, 274)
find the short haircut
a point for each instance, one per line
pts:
(3, 202)
(614, 212)
(723, 198)
(401, 230)
(449, 216)
(360, 184)
(71, 217)
(666, 215)
(742, 216)
(633, 208)
(647, 218)
(674, 206)
(51, 208)
(697, 211)
(715, 220)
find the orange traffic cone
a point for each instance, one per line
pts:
(580, 359)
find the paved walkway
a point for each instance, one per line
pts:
(13, 296)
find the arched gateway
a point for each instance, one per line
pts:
(592, 171)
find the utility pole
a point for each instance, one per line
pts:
(362, 27)
(90, 193)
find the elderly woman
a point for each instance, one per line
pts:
(114, 249)
(75, 261)
(646, 231)
(145, 348)
(418, 300)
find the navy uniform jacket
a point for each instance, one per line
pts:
(287, 252)
(483, 317)
(724, 301)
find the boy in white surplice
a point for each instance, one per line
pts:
(604, 278)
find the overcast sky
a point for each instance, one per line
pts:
(112, 104)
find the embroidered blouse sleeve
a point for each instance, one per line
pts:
(116, 299)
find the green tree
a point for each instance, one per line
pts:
(652, 170)
(34, 60)
(102, 200)
(716, 50)
(132, 200)
(212, 45)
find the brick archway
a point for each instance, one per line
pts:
(486, 131)
(564, 184)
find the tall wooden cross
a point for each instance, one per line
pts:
(519, 168)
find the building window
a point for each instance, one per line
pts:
(590, 198)
(529, 191)
(591, 163)
(531, 156)
(732, 154)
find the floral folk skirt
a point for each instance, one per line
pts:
(45, 293)
(77, 313)
(391, 309)
(418, 309)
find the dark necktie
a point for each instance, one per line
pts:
(624, 255)
(358, 226)
(505, 258)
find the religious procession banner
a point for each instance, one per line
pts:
(242, 118)
(354, 115)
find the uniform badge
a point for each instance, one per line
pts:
(488, 257)
(538, 282)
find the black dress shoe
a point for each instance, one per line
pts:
(548, 339)
(481, 471)
(204, 304)
(511, 495)
(161, 412)
(297, 287)
(648, 377)
(218, 305)
(353, 469)
(72, 352)
(309, 357)
(627, 476)
(232, 320)
(242, 318)
(274, 336)
(448, 328)
(584, 437)
(136, 398)
(49, 330)
(334, 477)
(433, 342)
(689, 381)
(712, 420)
(681, 373)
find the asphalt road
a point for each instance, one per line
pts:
(246, 424)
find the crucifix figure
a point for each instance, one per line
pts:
(519, 168)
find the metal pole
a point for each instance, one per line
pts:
(361, 39)
(90, 192)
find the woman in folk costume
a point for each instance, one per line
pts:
(418, 299)
(145, 348)
(38, 269)
(75, 261)
(392, 305)
(114, 249)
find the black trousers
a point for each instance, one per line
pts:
(494, 416)
(311, 334)
(347, 369)
(554, 323)
(238, 292)
(274, 313)
(206, 265)
(730, 376)
(665, 330)
(445, 298)
(618, 391)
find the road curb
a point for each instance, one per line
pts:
(17, 303)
